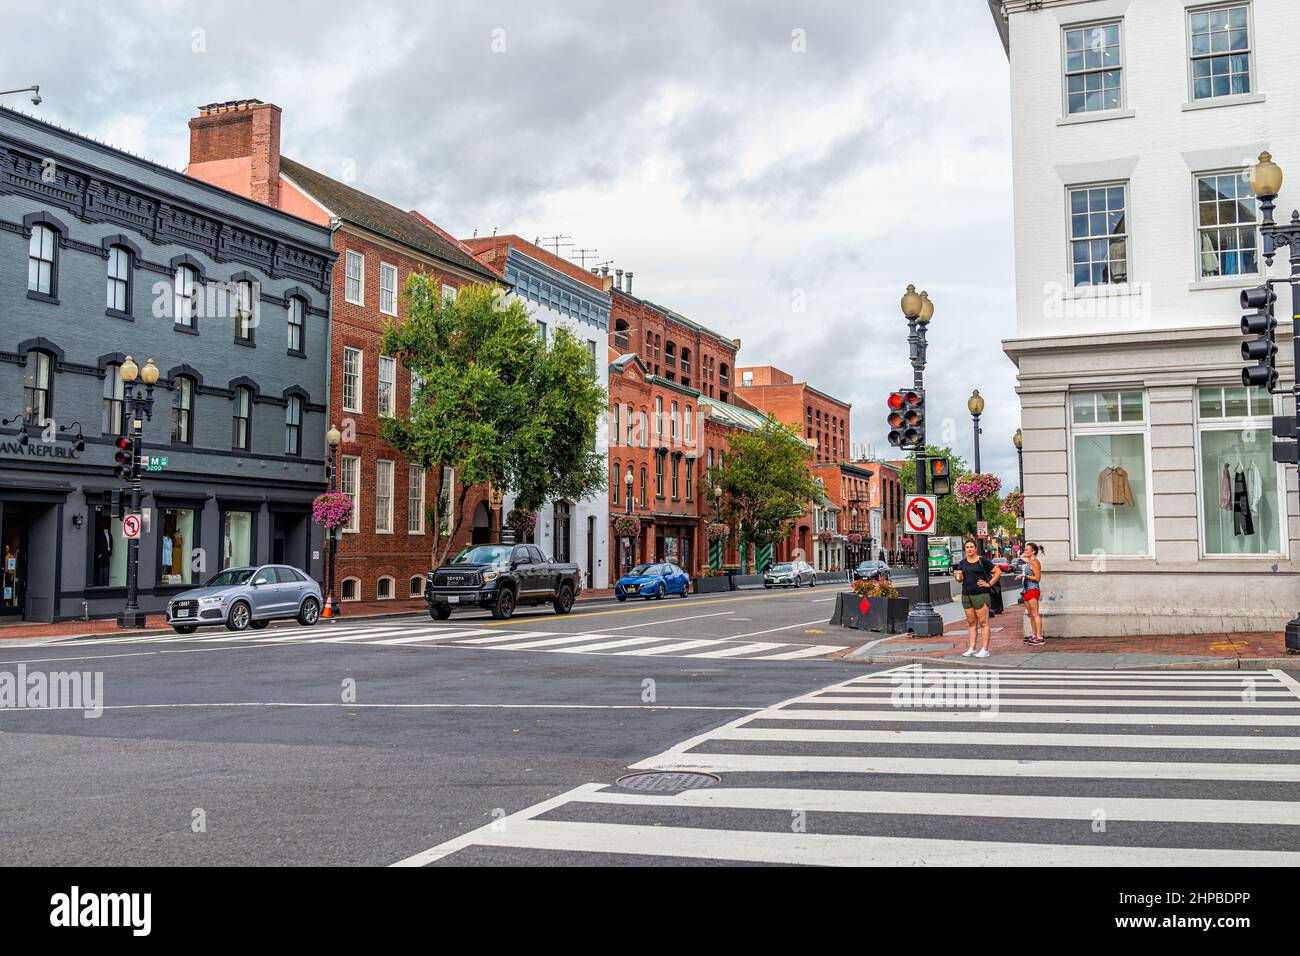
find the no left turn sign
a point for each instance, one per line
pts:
(919, 512)
(131, 527)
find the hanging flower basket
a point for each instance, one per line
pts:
(855, 537)
(976, 489)
(627, 526)
(825, 537)
(906, 541)
(521, 521)
(1014, 504)
(333, 509)
(718, 531)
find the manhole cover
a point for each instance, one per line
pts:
(656, 781)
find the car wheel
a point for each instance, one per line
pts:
(309, 613)
(812, 582)
(563, 602)
(505, 605)
(686, 588)
(659, 595)
(438, 612)
(258, 625)
(185, 628)
(239, 617)
(620, 598)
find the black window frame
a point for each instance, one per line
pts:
(298, 303)
(56, 241)
(180, 412)
(126, 282)
(247, 419)
(30, 390)
(292, 429)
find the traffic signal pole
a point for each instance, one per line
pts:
(131, 615)
(922, 620)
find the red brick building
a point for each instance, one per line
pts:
(388, 548)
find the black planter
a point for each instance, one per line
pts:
(713, 584)
(883, 614)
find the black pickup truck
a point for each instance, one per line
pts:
(499, 578)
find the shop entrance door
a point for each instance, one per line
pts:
(14, 534)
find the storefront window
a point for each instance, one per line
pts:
(176, 545)
(108, 550)
(236, 539)
(1240, 487)
(1112, 509)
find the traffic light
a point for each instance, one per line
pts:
(1262, 350)
(115, 503)
(906, 418)
(940, 477)
(125, 466)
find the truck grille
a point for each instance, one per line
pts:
(456, 579)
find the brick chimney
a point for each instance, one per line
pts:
(236, 145)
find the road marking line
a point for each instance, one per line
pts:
(1287, 679)
(659, 605)
(976, 739)
(436, 636)
(1001, 701)
(741, 649)
(422, 706)
(550, 642)
(626, 642)
(1005, 717)
(628, 627)
(669, 649)
(500, 638)
(816, 650)
(1000, 691)
(773, 630)
(1121, 674)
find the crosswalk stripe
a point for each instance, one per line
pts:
(381, 637)
(1001, 700)
(502, 637)
(740, 649)
(553, 642)
(1008, 717)
(608, 645)
(944, 766)
(976, 739)
(1002, 690)
(427, 636)
(671, 648)
(816, 650)
(814, 849)
(1030, 672)
(1151, 810)
(1068, 686)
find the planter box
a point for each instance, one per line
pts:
(884, 614)
(746, 581)
(713, 584)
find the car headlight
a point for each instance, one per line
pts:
(211, 601)
(491, 575)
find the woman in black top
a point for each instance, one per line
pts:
(977, 576)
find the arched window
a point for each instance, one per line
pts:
(43, 261)
(183, 411)
(659, 416)
(37, 387)
(245, 310)
(111, 422)
(186, 296)
(293, 426)
(384, 589)
(659, 476)
(242, 409)
(350, 590)
(643, 496)
(617, 483)
(615, 433)
(688, 427)
(645, 430)
(119, 279)
(297, 324)
(417, 586)
(672, 423)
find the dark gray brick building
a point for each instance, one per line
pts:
(104, 255)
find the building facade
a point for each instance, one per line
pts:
(388, 547)
(1148, 470)
(561, 295)
(107, 255)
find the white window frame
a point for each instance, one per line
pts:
(413, 393)
(1110, 428)
(118, 275)
(1261, 424)
(1127, 236)
(388, 288)
(448, 293)
(392, 587)
(1066, 73)
(383, 503)
(359, 375)
(349, 258)
(346, 581)
(415, 505)
(353, 463)
(386, 400)
(1250, 51)
(446, 502)
(1236, 278)
(418, 590)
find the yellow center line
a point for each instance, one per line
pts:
(657, 606)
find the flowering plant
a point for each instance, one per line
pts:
(880, 587)
(975, 488)
(825, 537)
(1014, 503)
(718, 531)
(855, 537)
(333, 509)
(627, 526)
(521, 521)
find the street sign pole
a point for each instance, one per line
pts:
(131, 615)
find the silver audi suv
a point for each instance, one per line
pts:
(252, 597)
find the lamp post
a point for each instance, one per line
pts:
(1266, 183)
(975, 404)
(922, 620)
(1020, 467)
(333, 438)
(140, 404)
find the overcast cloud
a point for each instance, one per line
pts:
(783, 198)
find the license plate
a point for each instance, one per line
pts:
(183, 612)
(453, 598)
(633, 588)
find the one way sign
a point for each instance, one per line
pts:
(919, 512)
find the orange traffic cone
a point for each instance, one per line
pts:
(328, 610)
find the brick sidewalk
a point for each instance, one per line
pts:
(155, 622)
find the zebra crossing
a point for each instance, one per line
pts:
(423, 634)
(948, 766)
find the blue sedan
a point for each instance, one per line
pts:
(653, 581)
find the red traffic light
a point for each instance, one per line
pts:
(896, 400)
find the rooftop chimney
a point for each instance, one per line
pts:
(628, 276)
(236, 145)
(618, 278)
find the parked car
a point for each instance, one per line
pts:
(1001, 561)
(790, 574)
(872, 571)
(653, 581)
(241, 598)
(500, 577)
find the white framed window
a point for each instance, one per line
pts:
(242, 419)
(297, 322)
(616, 432)
(688, 427)
(350, 485)
(42, 261)
(113, 420)
(1219, 51)
(293, 426)
(354, 280)
(1099, 234)
(415, 500)
(353, 364)
(446, 501)
(448, 293)
(387, 289)
(659, 417)
(541, 331)
(1111, 481)
(1227, 217)
(417, 586)
(119, 279)
(1093, 68)
(672, 423)
(384, 497)
(185, 296)
(1242, 491)
(417, 383)
(350, 590)
(384, 589)
(387, 386)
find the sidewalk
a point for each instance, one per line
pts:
(1007, 649)
(157, 623)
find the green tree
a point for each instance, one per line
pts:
(764, 482)
(494, 403)
(956, 518)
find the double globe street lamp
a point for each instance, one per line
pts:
(333, 438)
(922, 619)
(1016, 440)
(975, 405)
(140, 406)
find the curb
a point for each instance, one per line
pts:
(1195, 663)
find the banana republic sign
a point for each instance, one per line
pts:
(52, 450)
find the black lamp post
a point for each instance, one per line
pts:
(1020, 466)
(976, 406)
(922, 620)
(140, 405)
(332, 439)
(1266, 183)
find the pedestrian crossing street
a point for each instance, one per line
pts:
(955, 767)
(425, 634)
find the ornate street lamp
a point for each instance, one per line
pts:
(975, 404)
(922, 619)
(140, 404)
(1020, 466)
(333, 438)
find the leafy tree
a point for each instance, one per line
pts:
(956, 518)
(764, 482)
(494, 403)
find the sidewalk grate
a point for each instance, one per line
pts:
(667, 782)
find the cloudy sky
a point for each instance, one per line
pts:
(778, 171)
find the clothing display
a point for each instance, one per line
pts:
(1225, 492)
(1113, 487)
(1242, 523)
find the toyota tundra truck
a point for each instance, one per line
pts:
(499, 578)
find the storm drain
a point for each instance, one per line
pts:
(660, 781)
